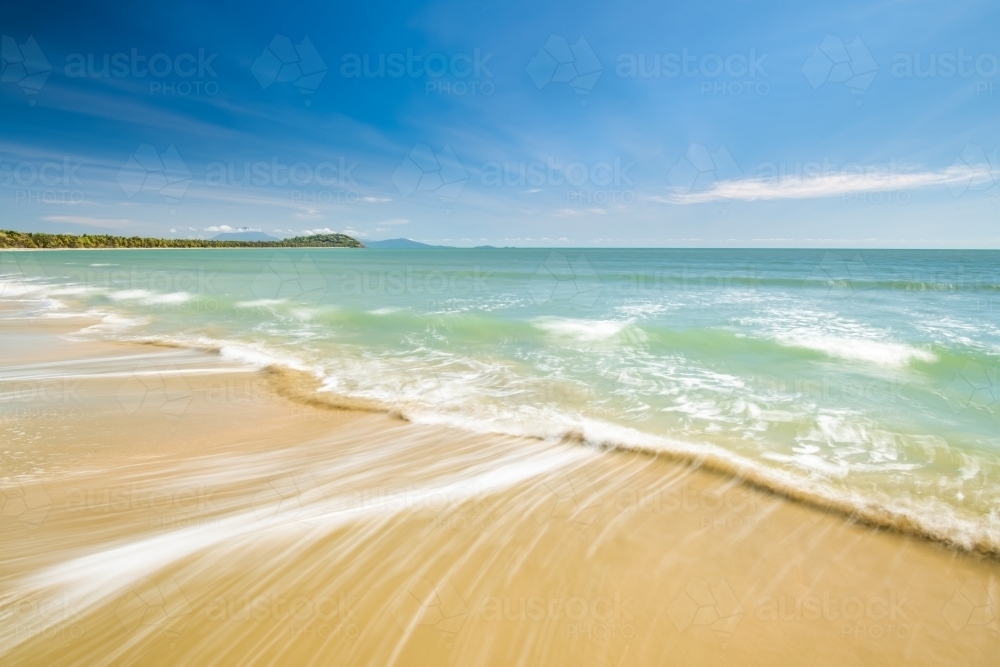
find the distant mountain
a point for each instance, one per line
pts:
(399, 243)
(244, 236)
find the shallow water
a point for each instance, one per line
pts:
(861, 380)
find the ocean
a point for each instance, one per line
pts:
(865, 381)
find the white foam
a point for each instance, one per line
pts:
(130, 295)
(73, 290)
(258, 356)
(643, 309)
(584, 330)
(150, 298)
(883, 353)
(172, 297)
(113, 323)
(260, 303)
(12, 289)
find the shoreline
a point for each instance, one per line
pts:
(302, 387)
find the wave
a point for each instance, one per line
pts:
(927, 518)
(17, 288)
(151, 298)
(260, 303)
(582, 330)
(857, 349)
(111, 323)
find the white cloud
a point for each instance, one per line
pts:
(313, 232)
(393, 221)
(373, 200)
(827, 185)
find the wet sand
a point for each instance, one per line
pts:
(161, 506)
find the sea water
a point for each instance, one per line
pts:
(866, 381)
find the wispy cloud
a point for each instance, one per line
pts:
(957, 177)
(227, 228)
(310, 214)
(576, 212)
(109, 223)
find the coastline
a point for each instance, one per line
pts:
(169, 501)
(189, 248)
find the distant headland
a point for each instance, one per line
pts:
(41, 241)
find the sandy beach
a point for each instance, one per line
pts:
(164, 506)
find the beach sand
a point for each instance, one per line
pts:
(164, 507)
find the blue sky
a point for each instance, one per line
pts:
(576, 124)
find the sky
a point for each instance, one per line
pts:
(579, 124)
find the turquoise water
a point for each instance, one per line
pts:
(864, 380)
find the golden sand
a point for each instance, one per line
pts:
(162, 507)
